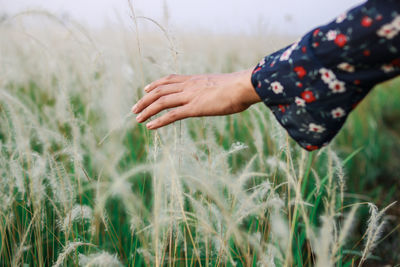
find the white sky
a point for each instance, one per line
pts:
(286, 16)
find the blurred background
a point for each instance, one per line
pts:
(228, 16)
(78, 174)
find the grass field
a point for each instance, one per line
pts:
(82, 184)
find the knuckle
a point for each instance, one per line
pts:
(173, 114)
(171, 77)
(144, 113)
(157, 90)
(162, 100)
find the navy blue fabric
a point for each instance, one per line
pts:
(312, 85)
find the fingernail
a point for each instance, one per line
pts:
(150, 125)
(146, 88)
(134, 108)
(139, 118)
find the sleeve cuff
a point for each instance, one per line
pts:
(288, 82)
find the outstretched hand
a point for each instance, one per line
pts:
(195, 96)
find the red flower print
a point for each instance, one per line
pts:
(311, 147)
(308, 96)
(299, 84)
(366, 21)
(282, 108)
(300, 71)
(396, 62)
(367, 53)
(257, 69)
(304, 49)
(315, 44)
(379, 17)
(341, 40)
(357, 82)
(315, 33)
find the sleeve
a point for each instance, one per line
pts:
(312, 85)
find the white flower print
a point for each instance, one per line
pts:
(387, 68)
(396, 23)
(262, 62)
(338, 112)
(331, 35)
(285, 55)
(300, 102)
(341, 18)
(346, 67)
(294, 45)
(388, 31)
(277, 87)
(316, 128)
(337, 86)
(327, 75)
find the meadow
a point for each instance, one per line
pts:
(83, 184)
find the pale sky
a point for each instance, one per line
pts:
(286, 16)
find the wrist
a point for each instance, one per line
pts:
(247, 91)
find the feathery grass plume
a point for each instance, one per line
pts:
(100, 259)
(375, 227)
(61, 184)
(280, 231)
(187, 195)
(340, 174)
(78, 213)
(68, 249)
(324, 245)
(36, 174)
(7, 197)
(269, 257)
(344, 232)
(17, 173)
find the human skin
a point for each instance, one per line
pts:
(195, 96)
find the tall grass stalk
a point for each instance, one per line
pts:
(80, 187)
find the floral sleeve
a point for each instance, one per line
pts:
(312, 85)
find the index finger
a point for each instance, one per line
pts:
(172, 78)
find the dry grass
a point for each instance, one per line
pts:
(206, 192)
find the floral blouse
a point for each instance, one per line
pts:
(312, 85)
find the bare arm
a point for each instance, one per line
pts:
(196, 96)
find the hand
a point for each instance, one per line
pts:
(195, 96)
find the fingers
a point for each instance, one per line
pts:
(163, 94)
(170, 117)
(155, 94)
(164, 102)
(173, 78)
